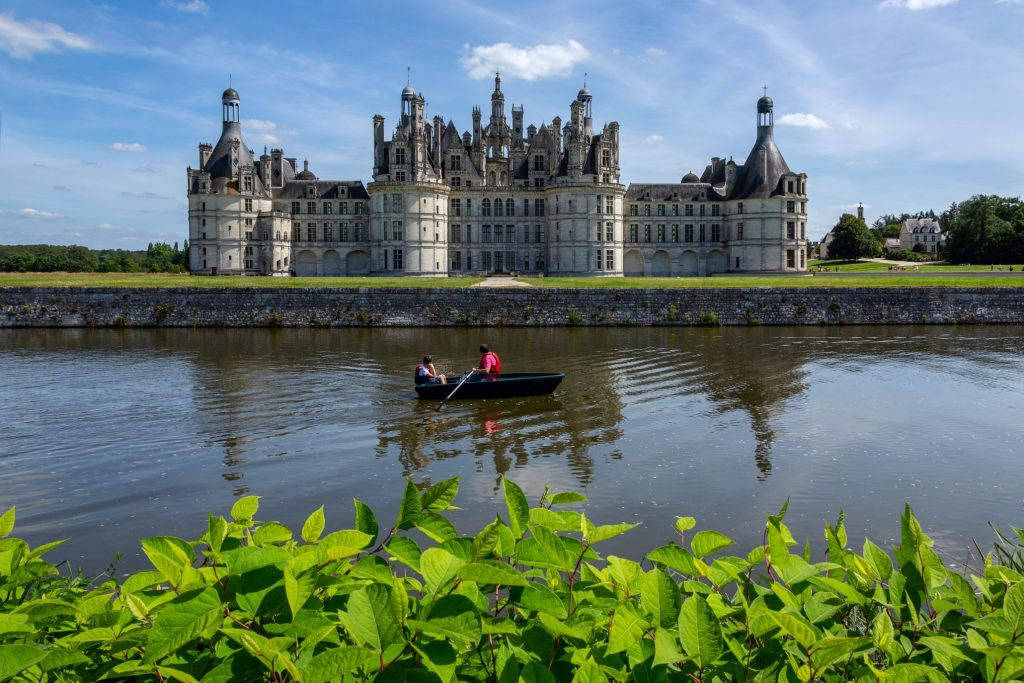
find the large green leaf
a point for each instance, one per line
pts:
(313, 527)
(410, 508)
(535, 672)
(907, 673)
(439, 497)
(878, 559)
(16, 658)
(334, 664)
(436, 527)
(170, 555)
(183, 619)
(627, 628)
(518, 508)
(439, 657)
(487, 572)
(7, 522)
(405, 550)
(439, 568)
(799, 628)
(1013, 608)
(298, 588)
(700, 631)
(705, 543)
(830, 650)
(271, 532)
(536, 598)
(453, 616)
(368, 617)
(660, 597)
(245, 509)
(589, 672)
(344, 543)
(216, 532)
(595, 534)
(566, 498)
(674, 557)
(366, 521)
(552, 546)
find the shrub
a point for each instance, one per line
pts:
(527, 598)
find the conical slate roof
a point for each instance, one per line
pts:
(219, 163)
(759, 176)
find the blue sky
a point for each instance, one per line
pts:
(900, 104)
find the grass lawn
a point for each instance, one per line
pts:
(894, 280)
(181, 280)
(883, 267)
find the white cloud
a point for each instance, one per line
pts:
(24, 39)
(654, 139)
(529, 64)
(655, 52)
(197, 6)
(31, 213)
(107, 226)
(799, 120)
(128, 147)
(917, 4)
(264, 130)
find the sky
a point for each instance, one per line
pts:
(902, 105)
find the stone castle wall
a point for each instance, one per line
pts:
(416, 307)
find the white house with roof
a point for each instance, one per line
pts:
(924, 231)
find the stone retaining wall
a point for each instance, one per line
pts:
(394, 307)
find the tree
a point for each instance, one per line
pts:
(985, 229)
(851, 239)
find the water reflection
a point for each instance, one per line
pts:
(116, 432)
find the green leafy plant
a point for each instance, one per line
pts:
(528, 597)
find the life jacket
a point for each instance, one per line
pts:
(417, 378)
(497, 362)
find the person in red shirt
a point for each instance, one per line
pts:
(490, 364)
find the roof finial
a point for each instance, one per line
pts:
(408, 75)
(584, 79)
(229, 80)
(765, 88)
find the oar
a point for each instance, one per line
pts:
(464, 378)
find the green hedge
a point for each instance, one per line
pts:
(528, 598)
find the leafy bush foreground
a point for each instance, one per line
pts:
(527, 599)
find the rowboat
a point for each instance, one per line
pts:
(507, 385)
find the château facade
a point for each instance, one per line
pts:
(500, 198)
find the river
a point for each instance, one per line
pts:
(110, 436)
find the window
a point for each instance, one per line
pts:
(485, 207)
(248, 204)
(647, 233)
(456, 260)
(790, 207)
(296, 233)
(487, 260)
(737, 263)
(328, 233)
(400, 176)
(703, 209)
(295, 207)
(310, 207)
(456, 162)
(675, 233)
(661, 232)
(248, 236)
(790, 258)
(400, 156)
(396, 203)
(661, 209)
(716, 232)
(739, 231)
(360, 232)
(248, 263)
(469, 238)
(396, 259)
(311, 232)
(343, 232)
(510, 207)
(342, 207)
(789, 186)
(455, 207)
(203, 207)
(688, 233)
(538, 183)
(609, 232)
(538, 207)
(538, 163)
(538, 260)
(703, 235)
(598, 262)
(790, 230)
(328, 208)
(538, 234)
(455, 233)
(802, 262)
(485, 233)
(498, 211)
(609, 259)
(739, 208)
(633, 210)
(609, 204)
(397, 231)
(526, 207)
(247, 183)
(360, 208)
(688, 210)
(497, 233)
(606, 157)
(634, 232)
(647, 209)
(716, 210)
(526, 234)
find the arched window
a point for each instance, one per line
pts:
(485, 207)
(504, 178)
(510, 207)
(490, 178)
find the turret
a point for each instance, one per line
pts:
(477, 131)
(584, 97)
(408, 95)
(378, 142)
(497, 101)
(517, 123)
(556, 133)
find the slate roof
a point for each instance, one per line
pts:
(326, 189)
(759, 176)
(671, 192)
(219, 163)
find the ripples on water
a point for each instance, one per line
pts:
(111, 436)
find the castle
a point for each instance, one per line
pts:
(500, 198)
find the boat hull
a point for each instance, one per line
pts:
(508, 385)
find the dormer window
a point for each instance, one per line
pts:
(400, 156)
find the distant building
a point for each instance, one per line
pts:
(501, 198)
(891, 243)
(924, 231)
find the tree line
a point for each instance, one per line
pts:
(49, 258)
(982, 229)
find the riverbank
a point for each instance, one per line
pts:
(521, 307)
